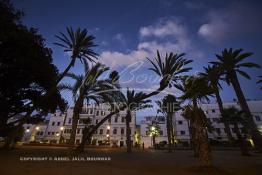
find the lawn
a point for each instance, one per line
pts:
(147, 162)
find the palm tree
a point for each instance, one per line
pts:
(133, 103)
(169, 70)
(79, 44)
(236, 117)
(196, 89)
(153, 130)
(230, 62)
(213, 75)
(90, 87)
(260, 81)
(168, 106)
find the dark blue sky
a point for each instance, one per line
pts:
(129, 31)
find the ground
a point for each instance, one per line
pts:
(148, 162)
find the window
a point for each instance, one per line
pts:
(69, 121)
(182, 132)
(180, 122)
(123, 119)
(53, 123)
(48, 133)
(115, 131)
(257, 118)
(58, 123)
(109, 120)
(101, 131)
(218, 131)
(53, 133)
(102, 113)
(91, 111)
(213, 111)
(78, 131)
(41, 133)
(122, 131)
(161, 132)
(96, 121)
(97, 113)
(116, 118)
(28, 127)
(107, 131)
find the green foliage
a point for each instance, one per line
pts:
(26, 69)
(169, 69)
(232, 61)
(195, 88)
(153, 130)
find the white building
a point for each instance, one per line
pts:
(145, 138)
(112, 132)
(213, 114)
(34, 132)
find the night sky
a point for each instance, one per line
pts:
(129, 31)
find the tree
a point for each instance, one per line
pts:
(26, 73)
(236, 117)
(153, 130)
(134, 103)
(196, 89)
(169, 70)
(79, 44)
(260, 81)
(213, 75)
(231, 62)
(168, 106)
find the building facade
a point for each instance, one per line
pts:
(212, 112)
(112, 132)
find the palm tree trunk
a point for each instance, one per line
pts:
(71, 64)
(256, 136)
(172, 131)
(77, 110)
(168, 133)
(128, 132)
(196, 138)
(227, 126)
(242, 144)
(205, 156)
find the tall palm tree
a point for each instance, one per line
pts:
(231, 62)
(88, 87)
(168, 106)
(153, 130)
(133, 103)
(79, 44)
(236, 117)
(196, 89)
(170, 70)
(213, 75)
(260, 81)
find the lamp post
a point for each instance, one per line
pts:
(61, 134)
(108, 134)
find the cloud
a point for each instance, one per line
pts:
(163, 29)
(237, 20)
(120, 38)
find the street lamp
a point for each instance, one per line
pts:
(62, 128)
(108, 127)
(37, 128)
(27, 130)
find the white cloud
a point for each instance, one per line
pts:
(237, 20)
(120, 37)
(178, 42)
(163, 29)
